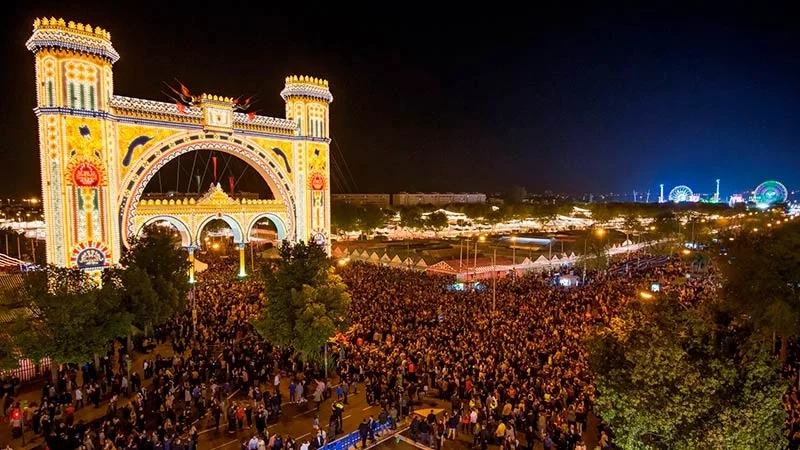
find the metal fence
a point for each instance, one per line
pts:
(29, 371)
(351, 439)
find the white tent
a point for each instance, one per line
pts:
(199, 266)
(541, 261)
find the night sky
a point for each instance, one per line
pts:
(429, 98)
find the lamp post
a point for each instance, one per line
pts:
(475, 264)
(513, 251)
(494, 279)
(600, 232)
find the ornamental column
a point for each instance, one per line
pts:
(242, 272)
(191, 264)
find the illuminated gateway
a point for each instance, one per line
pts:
(99, 150)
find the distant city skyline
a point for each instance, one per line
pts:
(572, 100)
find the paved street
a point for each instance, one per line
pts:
(296, 420)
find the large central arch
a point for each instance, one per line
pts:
(268, 167)
(98, 150)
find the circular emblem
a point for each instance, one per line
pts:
(317, 182)
(90, 255)
(86, 175)
(319, 239)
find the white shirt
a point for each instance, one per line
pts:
(305, 445)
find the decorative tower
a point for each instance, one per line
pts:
(716, 195)
(661, 195)
(74, 85)
(308, 100)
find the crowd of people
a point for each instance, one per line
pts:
(218, 368)
(511, 371)
(512, 375)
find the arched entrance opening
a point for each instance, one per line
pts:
(270, 182)
(178, 226)
(190, 174)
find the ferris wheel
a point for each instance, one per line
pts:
(770, 192)
(680, 194)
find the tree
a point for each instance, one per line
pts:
(411, 217)
(344, 217)
(155, 257)
(322, 311)
(437, 221)
(762, 274)
(671, 377)
(306, 303)
(370, 217)
(71, 318)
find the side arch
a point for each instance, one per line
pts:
(233, 223)
(183, 229)
(151, 161)
(274, 219)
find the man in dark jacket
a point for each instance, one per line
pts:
(363, 432)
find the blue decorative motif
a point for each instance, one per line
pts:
(280, 153)
(141, 140)
(246, 154)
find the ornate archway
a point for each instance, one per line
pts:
(274, 171)
(98, 150)
(183, 229)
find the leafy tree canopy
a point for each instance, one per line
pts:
(70, 318)
(155, 277)
(437, 221)
(762, 278)
(306, 302)
(675, 378)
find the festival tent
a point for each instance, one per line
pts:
(199, 266)
(408, 262)
(421, 264)
(396, 261)
(10, 262)
(541, 261)
(374, 257)
(385, 259)
(337, 252)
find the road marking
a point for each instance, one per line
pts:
(304, 413)
(409, 441)
(367, 408)
(225, 445)
(234, 393)
(301, 437)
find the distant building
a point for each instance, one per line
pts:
(436, 198)
(363, 199)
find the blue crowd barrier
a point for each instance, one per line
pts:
(353, 438)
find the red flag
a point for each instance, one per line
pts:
(214, 161)
(251, 115)
(181, 107)
(231, 182)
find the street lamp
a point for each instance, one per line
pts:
(513, 240)
(475, 264)
(600, 232)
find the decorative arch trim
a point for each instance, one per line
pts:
(274, 219)
(183, 229)
(159, 155)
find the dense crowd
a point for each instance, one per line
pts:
(218, 368)
(517, 370)
(513, 375)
